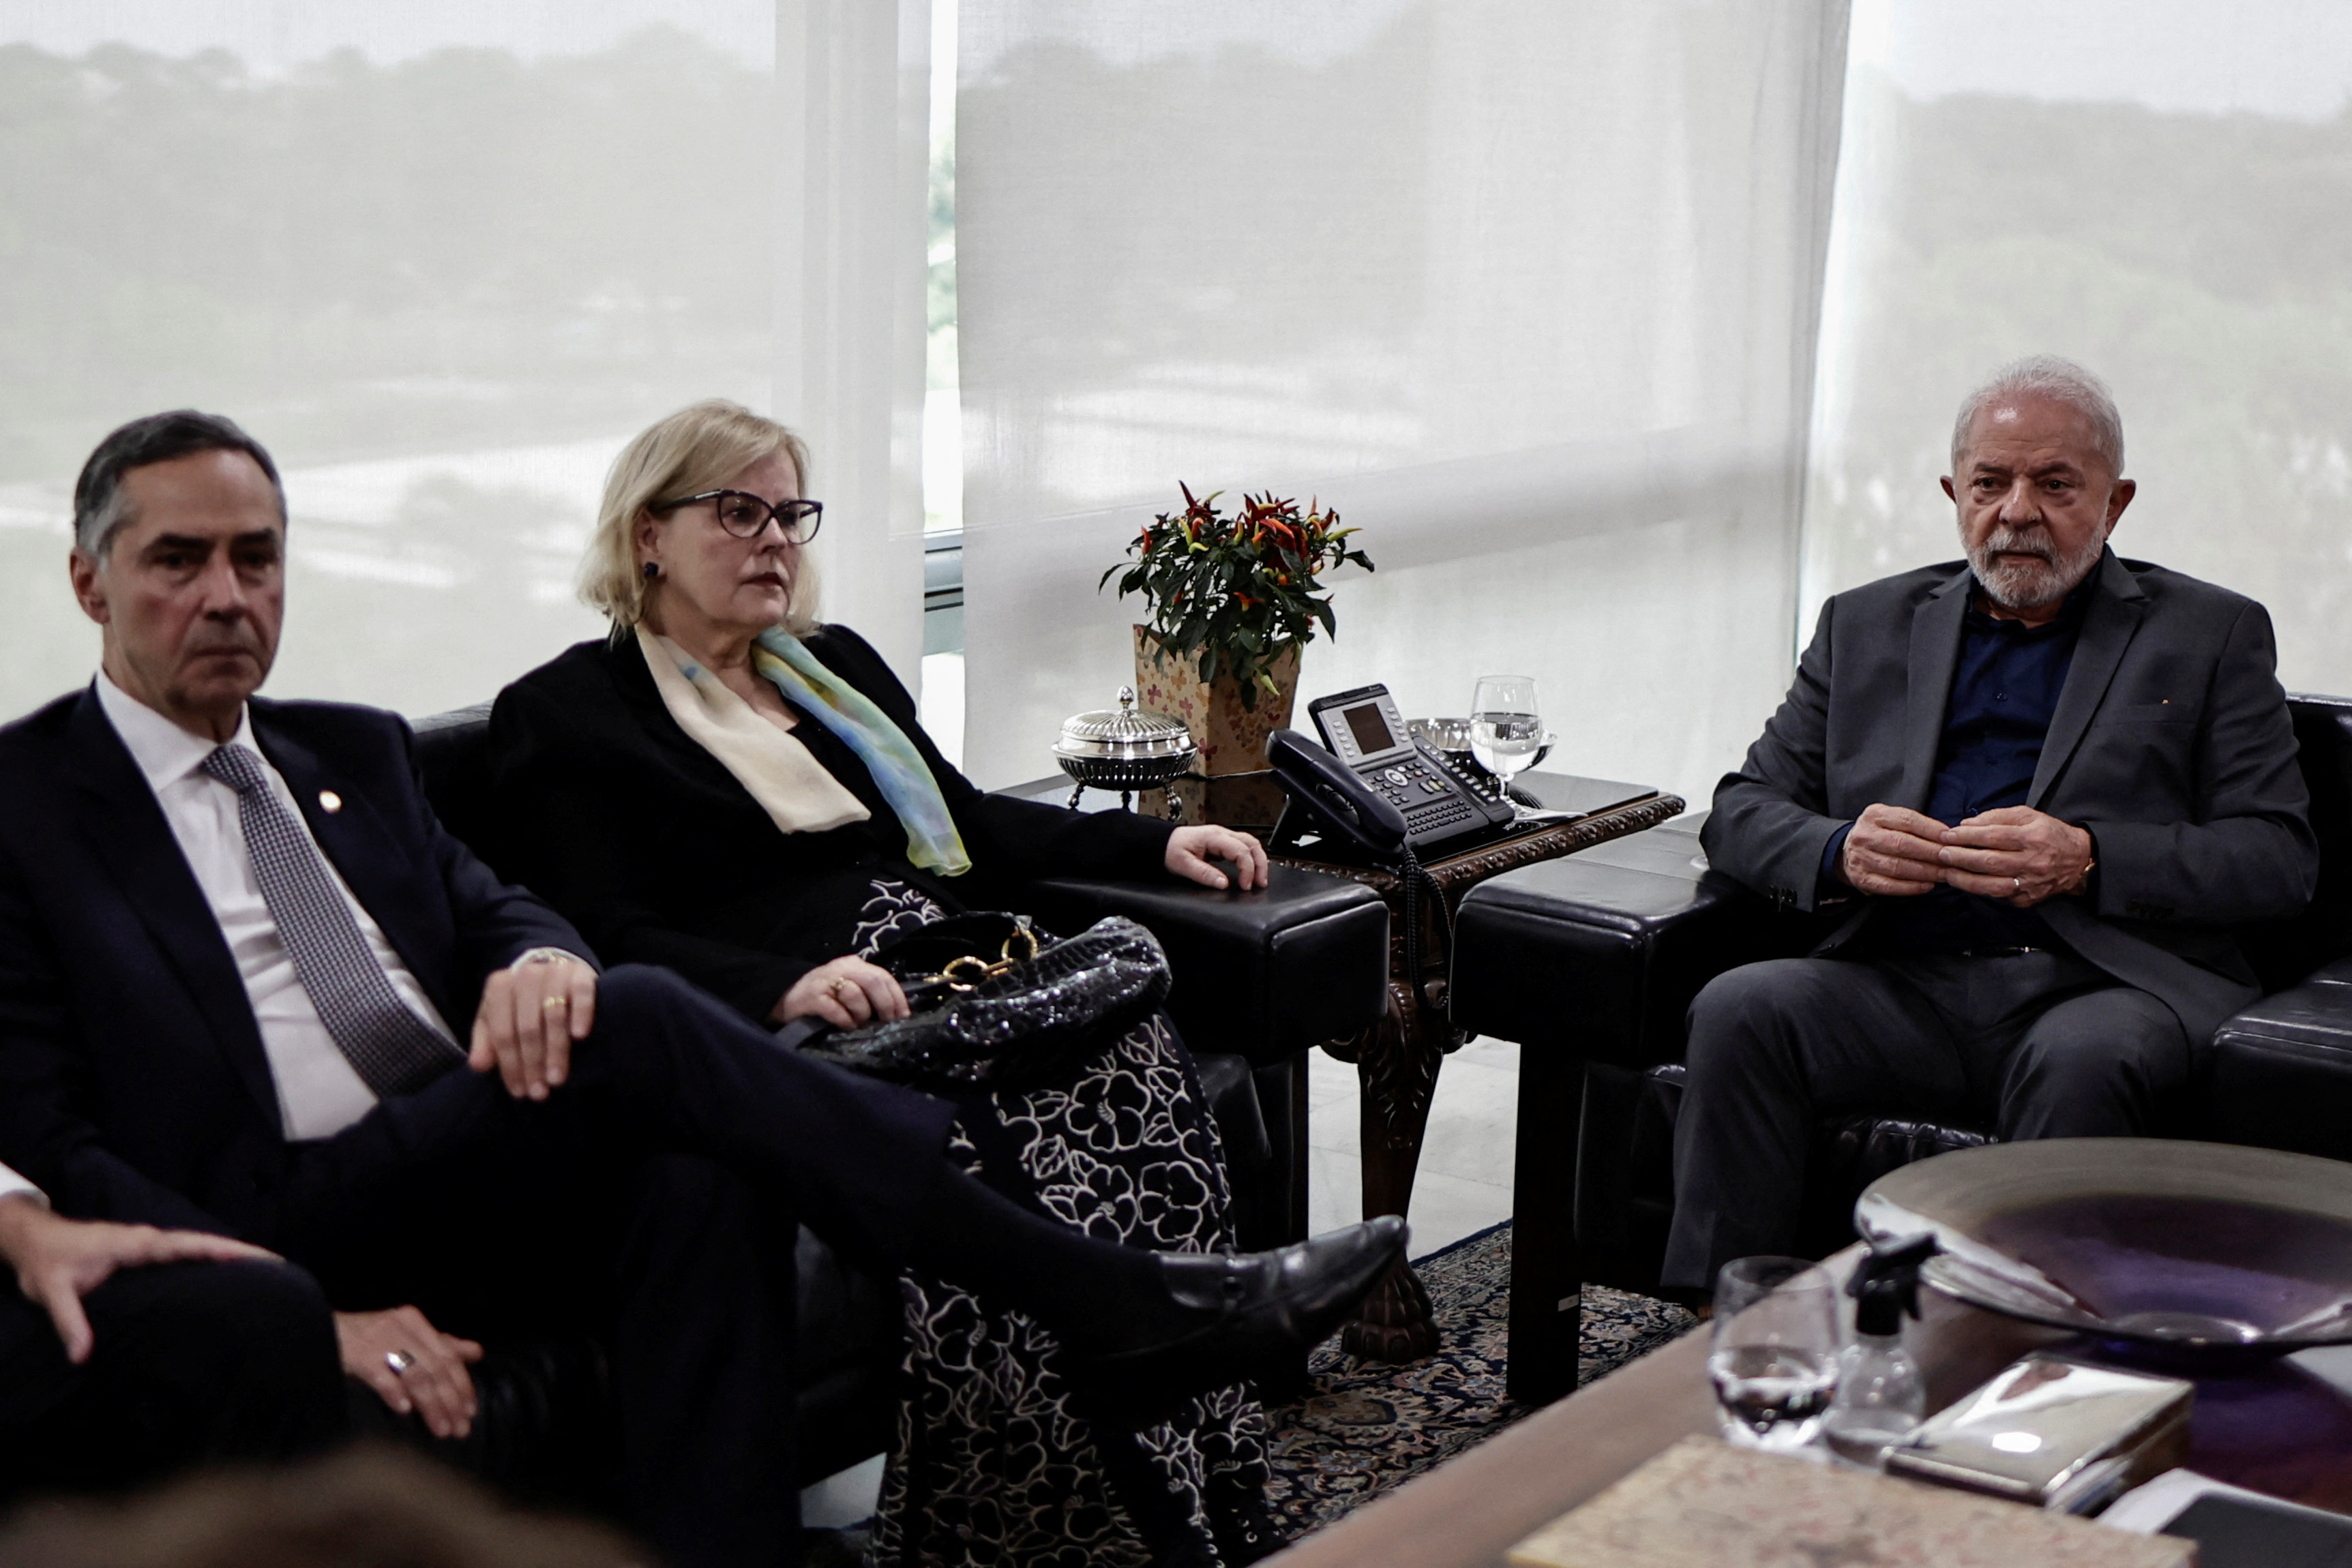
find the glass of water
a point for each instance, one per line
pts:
(1774, 1359)
(1505, 729)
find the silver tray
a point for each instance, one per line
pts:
(2198, 1246)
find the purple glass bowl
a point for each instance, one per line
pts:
(2191, 1247)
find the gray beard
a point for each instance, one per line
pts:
(2029, 585)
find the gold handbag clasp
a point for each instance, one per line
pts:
(963, 974)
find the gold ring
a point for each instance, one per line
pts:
(547, 1002)
(835, 985)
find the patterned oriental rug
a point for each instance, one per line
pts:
(1367, 1427)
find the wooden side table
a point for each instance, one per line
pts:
(1397, 1058)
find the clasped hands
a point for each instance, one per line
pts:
(2016, 854)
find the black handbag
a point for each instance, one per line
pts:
(997, 1005)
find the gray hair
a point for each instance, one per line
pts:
(2061, 381)
(100, 506)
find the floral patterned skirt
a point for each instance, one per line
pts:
(995, 1462)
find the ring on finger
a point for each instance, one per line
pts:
(400, 1361)
(2016, 886)
(548, 1004)
(838, 985)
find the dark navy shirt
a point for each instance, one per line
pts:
(2004, 693)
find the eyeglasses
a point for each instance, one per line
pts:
(744, 514)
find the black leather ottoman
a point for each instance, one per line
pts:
(1589, 962)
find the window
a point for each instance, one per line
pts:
(2158, 190)
(442, 261)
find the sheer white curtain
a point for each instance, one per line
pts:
(444, 259)
(852, 215)
(2157, 188)
(1526, 289)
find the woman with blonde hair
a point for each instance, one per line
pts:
(734, 789)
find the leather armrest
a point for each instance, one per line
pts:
(1601, 952)
(2316, 1015)
(2283, 1069)
(1265, 973)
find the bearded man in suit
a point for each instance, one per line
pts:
(2049, 782)
(236, 952)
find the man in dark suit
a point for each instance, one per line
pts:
(2049, 782)
(236, 950)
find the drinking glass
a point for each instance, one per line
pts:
(1505, 729)
(1774, 1359)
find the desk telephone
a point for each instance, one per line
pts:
(1377, 788)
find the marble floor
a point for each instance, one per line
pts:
(1465, 1185)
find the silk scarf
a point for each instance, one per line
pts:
(773, 766)
(899, 769)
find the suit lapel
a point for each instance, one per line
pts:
(355, 837)
(1934, 650)
(2109, 622)
(124, 825)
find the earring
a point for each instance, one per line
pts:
(653, 569)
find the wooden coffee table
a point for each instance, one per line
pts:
(2277, 1431)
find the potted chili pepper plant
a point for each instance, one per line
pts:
(1233, 600)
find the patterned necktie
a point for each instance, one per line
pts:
(389, 1046)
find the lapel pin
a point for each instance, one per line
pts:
(330, 802)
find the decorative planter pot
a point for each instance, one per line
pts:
(1232, 737)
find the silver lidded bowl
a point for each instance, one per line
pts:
(1124, 748)
(1446, 733)
(1451, 735)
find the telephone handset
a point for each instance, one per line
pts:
(1327, 800)
(1384, 789)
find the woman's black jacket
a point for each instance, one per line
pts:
(611, 813)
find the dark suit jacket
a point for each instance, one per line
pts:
(2170, 743)
(132, 1081)
(623, 821)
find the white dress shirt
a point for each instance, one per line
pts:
(318, 1092)
(11, 1184)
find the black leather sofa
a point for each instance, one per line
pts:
(1259, 977)
(1590, 963)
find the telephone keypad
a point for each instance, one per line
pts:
(1419, 791)
(1439, 801)
(1436, 814)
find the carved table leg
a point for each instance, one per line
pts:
(1396, 1069)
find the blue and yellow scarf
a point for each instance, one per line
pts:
(899, 772)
